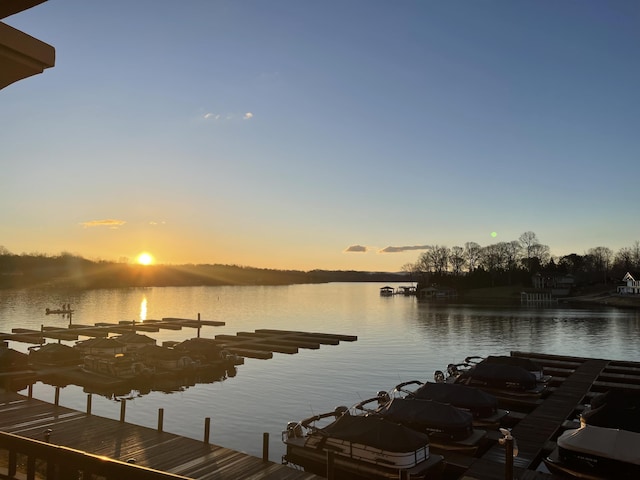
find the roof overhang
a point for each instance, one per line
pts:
(21, 55)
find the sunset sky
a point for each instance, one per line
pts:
(297, 134)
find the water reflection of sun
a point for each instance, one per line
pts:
(143, 308)
(145, 258)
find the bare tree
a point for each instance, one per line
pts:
(457, 260)
(601, 257)
(528, 241)
(472, 253)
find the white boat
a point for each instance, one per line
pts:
(596, 453)
(363, 447)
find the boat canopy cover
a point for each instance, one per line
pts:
(470, 398)
(614, 409)
(612, 443)
(525, 363)
(426, 413)
(499, 374)
(376, 432)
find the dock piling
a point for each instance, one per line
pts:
(56, 400)
(123, 409)
(160, 419)
(330, 465)
(89, 398)
(207, 429)
(265, 447)
(508, 442)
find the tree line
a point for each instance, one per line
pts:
(516, 261)
(74, 272)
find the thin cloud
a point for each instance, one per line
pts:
(404, 249)
(212, 116)
(356, 248)
(109, 223)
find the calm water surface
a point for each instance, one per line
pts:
(399, 339)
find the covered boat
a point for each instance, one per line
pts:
(526, 363)
(597, 453)
(500, 380)
(449, 428)
(482, 405)
(363, 447)
(614, 409)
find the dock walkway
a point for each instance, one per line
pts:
(146, 447)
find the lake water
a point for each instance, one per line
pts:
(399, 338)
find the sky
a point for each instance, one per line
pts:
(338, 135)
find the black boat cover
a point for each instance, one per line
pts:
(427, 415)
(376, 432)
(614, 409)
(498, 375)
(525, 363)
(479, 403)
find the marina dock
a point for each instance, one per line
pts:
(535, 425)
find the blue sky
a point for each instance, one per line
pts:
(279, 134)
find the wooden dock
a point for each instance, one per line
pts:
(576, 380)
(139, 446)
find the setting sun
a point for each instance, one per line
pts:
(145, 258)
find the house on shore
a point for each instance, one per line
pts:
(631, 286)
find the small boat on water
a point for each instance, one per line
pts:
(59, 311)
(450, 429)
(482, 405)
(363, 447)
(596, 453)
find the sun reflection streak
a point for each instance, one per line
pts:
(143, 308)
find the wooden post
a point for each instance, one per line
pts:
(123, 409)
(30, 394)
(330, 465)
(56, 400)
(13, 463)
(31, 467)
(160, 419)
(89, 398)
(199, 325)
(508, 458)
(207, 429)
(265, 447)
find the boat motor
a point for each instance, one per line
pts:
(294, 430)
(340, 411)
(383, 397)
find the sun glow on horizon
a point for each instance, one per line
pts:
(145, 258)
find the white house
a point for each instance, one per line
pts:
(632, 285)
